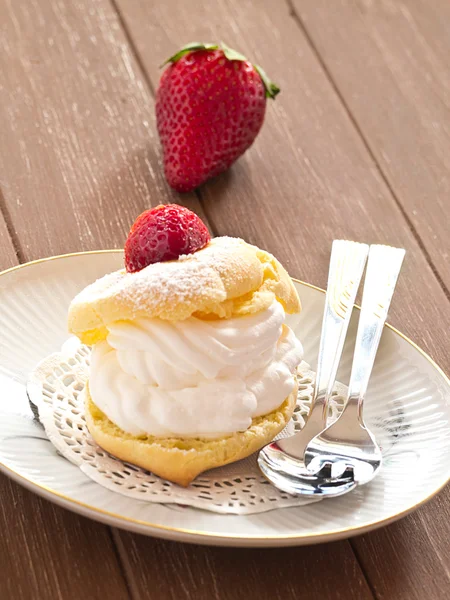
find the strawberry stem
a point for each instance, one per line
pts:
(192, 47)
(271, 88)
(231, 54)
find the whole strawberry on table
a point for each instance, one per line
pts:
(210, 106)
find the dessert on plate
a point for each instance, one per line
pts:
(192, 365)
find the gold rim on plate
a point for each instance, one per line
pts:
(330, 535)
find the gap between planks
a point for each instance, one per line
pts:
(10, 230)
(301, 25)
(363, 570)
(132, 47)
(119, 550)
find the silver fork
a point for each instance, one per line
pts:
(282, 461)
(347, 445)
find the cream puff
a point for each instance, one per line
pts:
(192, 365)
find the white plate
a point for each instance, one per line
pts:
(408, 407)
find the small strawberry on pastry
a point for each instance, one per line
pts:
(164, 233)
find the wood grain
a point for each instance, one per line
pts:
(48, 552)
(390, 62)
(78, 122)
(308, 179)
(315, 573)
(409, 560)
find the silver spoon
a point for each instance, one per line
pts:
(308, 485)
(347, 444)
(282, 462)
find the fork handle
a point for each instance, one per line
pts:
(382, 273)
(347, 264)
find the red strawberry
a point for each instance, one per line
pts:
(210, 107)
(164, 233)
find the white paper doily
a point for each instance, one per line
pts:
(239, 488)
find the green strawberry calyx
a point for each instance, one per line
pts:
(271, 88)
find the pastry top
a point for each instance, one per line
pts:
(226, 278)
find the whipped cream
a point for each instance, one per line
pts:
(194, 378)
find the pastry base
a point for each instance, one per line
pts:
(181, 459)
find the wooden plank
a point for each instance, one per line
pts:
(176, 570)
(78, 121)
(309, 179)
(48, 552)
(390, 63)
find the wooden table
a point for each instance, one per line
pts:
(357, 146)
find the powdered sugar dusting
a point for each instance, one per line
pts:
(218, 249)
(193, 278)
(169, 281)
(226, 255)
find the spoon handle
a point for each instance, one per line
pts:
(346, 268)
(382, 273)
(347, 264)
